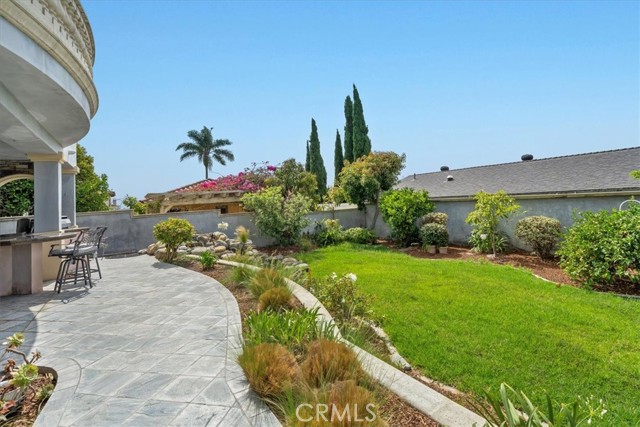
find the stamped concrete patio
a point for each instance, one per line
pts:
(150, 345)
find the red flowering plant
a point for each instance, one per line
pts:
(252, 179)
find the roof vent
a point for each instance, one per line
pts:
(526, 157)
(444, 168)
(449, 177)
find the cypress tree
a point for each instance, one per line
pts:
(316, 164)
(307, 162)
(348, 130)
(338, 159)
(361, 141)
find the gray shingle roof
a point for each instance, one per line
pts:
(580, 173)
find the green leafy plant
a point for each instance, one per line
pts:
(293, 328)
(240, 275)
(511, 408)
(490, 209)
(480, 242)
(16, 198)
(242, 236)
(400, 210)
(173, 232)
(276, 299)
(207, 260)
(277, 216)
(270, 368)
(362, 236)
(435, 218)
(136, 206)
(342, 297)
(433, 234)
(328, 232)
(603, 248)
(22, 387)
(541, 233)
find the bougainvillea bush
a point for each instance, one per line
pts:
(250, 180)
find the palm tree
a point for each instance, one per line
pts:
(206, 149)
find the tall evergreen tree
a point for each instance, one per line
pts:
(338, 159)
(307, 162)
(348, 130)
(316, 164)
(361, 141)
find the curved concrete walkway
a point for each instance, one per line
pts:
(150, 345)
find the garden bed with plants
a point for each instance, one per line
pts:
(290, 360)
(24, 386)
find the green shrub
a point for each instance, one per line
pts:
(401, 210)
(275, 299)
(173, 232)
(490, 209)
(328, 232)
(270, 368)
(541, 233)
(603, 247)
(329, 361)
(207, 260)
(511, 408)
(362, 236)
(434, 234)
(435, 218)
(484, 245)
(306, 244)
(342, 297)
(265, 279)
(294, 329)
(277, 216)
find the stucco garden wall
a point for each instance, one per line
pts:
(561, 208)
(127, 233)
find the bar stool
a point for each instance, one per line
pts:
(73, 254)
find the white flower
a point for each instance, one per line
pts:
(334, 275)
(604, 411)
(351, 277)
(483, 236)
(223, 225)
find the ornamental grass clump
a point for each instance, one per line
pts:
(265, 279)
(541, 233)
(347, 397)
(276, 299)
(330, 361)
(270, 368)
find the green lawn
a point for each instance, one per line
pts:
(473, 325)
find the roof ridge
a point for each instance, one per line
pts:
(188, 185)
(528, 161)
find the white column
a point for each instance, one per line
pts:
(47, 207)
(69, 195)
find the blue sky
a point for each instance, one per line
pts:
(448, 83)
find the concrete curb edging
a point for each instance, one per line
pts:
(425, 399)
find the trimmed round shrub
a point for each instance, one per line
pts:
(363, 236)
(435, 218)
(276, 299)
(270, 368)
(541, 233)
(173, 232)
(328, 232)
(434, 234)
(603, 248)
(330, 361)
(265, 279)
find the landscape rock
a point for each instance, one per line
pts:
(219, 249)
(152, 248)
(199, 250)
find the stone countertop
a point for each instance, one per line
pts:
(27, 239)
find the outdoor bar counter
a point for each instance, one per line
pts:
(21, 260)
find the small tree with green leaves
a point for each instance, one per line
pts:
(316, 163)
(292, 178)
(136, 206)
(173, 232)
(366, 178)
(489, 211)
(92, 190)
(338, 158)
(16, 198)
(277, 216)
(401, 210)
(635, 174)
